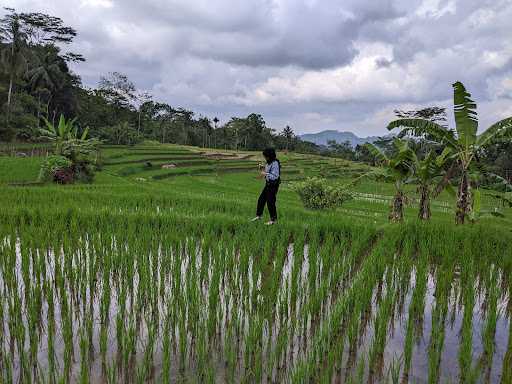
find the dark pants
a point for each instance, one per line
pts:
(268, 196)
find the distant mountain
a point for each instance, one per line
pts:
(321, 138)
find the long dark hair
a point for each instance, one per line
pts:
(270, 155)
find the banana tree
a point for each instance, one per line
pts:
(398, 168)
(61, 133)
(429, 174)
(464, 141)
(68, 142)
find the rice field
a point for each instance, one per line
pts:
(163, 280)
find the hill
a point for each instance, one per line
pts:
(321, 138)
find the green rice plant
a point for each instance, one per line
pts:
(51, 333)
(489, 329)
(380, 328)
(438, 324)
(111, 375)
(466, 345)
(67, 331)
(84, 354)
(230, 353)
(360, 370)
(415, 315)
(394, 369)
(507, 360)
(166, 352)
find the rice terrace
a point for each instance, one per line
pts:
(129, 252)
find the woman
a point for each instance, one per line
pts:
(272, 177)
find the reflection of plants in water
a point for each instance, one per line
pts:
(442, 291)
(381, 326)
(465, 357)
(291, 304)
(489, 329)
(414, 330)
(507, 361)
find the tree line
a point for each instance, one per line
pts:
(36, 83)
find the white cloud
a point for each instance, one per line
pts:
(436, 8)
(97, 3)
(312, 64)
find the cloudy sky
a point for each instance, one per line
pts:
(311, 64)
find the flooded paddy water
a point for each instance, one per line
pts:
(360, 307)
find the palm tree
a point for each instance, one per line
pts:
(398, 168)
(215, 122)
(46, 77)
(12, 57)
(288, 135)
(142, 99)
(464, 142)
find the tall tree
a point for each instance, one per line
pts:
(141, 98)
(288, 136)
(118, 90)
(435, 114)
(13, 55)
(46, 76)
(464, 141)
(343, 150)
(25, 40)
(42, 29)
(215, 123)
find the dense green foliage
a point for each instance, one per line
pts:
(76, 156)
(52, 165)
(398, 169)
(316, 193)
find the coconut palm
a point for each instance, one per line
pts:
(463, 141)
(288, 136)
(398, 168)
(45, 77)
(13, 56)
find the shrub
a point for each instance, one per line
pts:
(315, 193)
(77, 156)
(63, 176)
(83, 172)
(52, 165)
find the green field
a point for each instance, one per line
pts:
(153, 274)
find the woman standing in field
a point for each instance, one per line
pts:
(272, 175)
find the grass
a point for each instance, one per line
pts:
(165, 280)
(19, 169)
